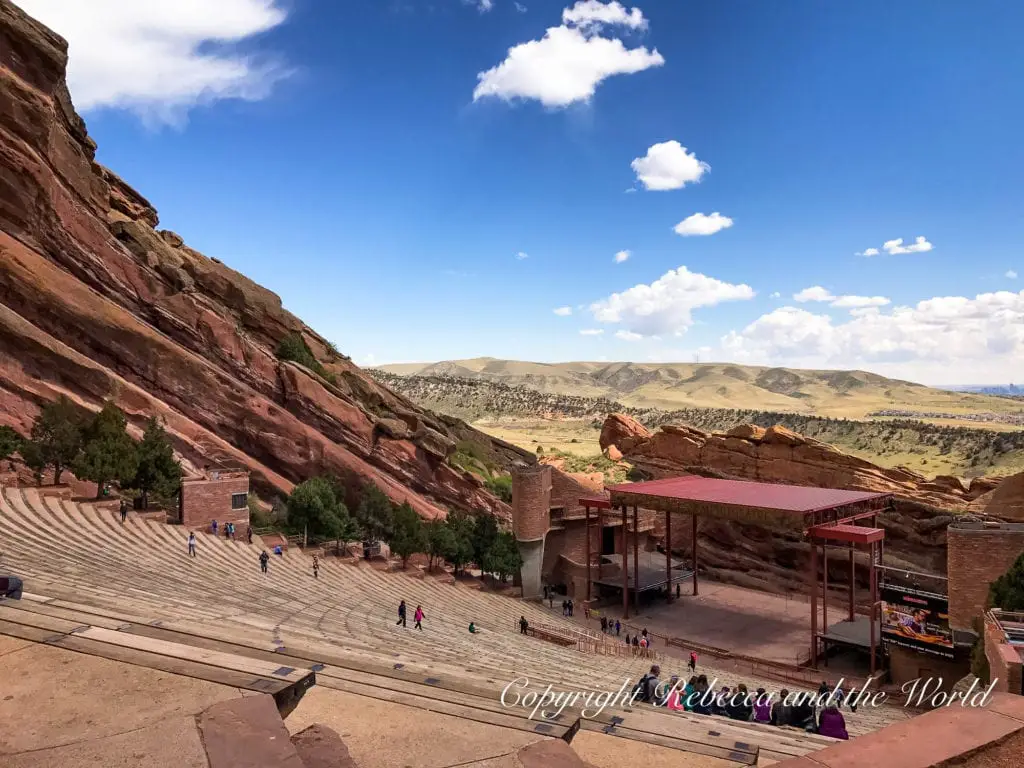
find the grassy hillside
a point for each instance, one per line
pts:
(667, 386)
(571, 424)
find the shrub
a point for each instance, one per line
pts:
(294, 348)
(501, 486)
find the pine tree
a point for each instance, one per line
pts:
(108, 452)
(461, 545)
(56, 439)
(10, 442)
(439, 541)
(314, 507)
(503, 558)
(409, 536)
(1007, 592)
(158, 471)
(376, 514)
(484, 537)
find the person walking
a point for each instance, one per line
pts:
(693, 661)
(124, 511)
(523, 624)
(248, 534)
(191, 544)
(213, 527)
(604, 625)
(618, 628)
(264, 559)
(570, 608)
(316, 566)
(401, 615)
(419, 616)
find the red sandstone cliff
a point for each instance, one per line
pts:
(96, 303)
(915, 530)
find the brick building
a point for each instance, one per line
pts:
(550, 527)
(977, 554)
(221, 495)
(1004, 649)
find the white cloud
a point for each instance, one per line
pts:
(895, 247)
(667, 304)
(814, 293)
(702, 224)
(859, 302)
(483, 5)
(622, 256)
(563, 311)
(592, 13)
(521, 255)
(983, 335)
(628, 336)
(160, 59)
(867, 252)
(591, 331)
(776, 295)
(570, 61)
(520, 7)
(668, 166)
(819, 294)
(1011, 274)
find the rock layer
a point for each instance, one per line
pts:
(97, 303)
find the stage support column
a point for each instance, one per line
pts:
(600, 540)
(693, 520)
(668, 554)
(814, 604)
(874, 603)
(824, 591)
(625, 567)
(586, 532)
(853, 583)
(636, 562)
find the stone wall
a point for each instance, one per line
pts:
(531, 502)
(906, 664)
(203, 501)
(978, 553)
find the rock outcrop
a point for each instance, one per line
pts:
(777, 560)
(97, 303)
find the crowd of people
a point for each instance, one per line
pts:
(815, 713)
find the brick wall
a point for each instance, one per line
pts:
(531, 502)
(203, 501)
(977, 556)
(1004, 662)
(906, 664)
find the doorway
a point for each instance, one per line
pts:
(608, 540)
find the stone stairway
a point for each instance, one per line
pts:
(130, 591)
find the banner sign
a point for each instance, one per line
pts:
(918, 620)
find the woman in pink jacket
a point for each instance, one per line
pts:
(418, 617)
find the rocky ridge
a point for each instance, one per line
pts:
(97, 302)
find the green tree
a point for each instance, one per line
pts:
(315, 508)
(293, 347)
(439, 541)
(503, 558)
(1007, 592)
(460, 552)
(409, 536)
(157, 471)
(56, 439)
(484, 537)
(108, 452)
(10, 442)
(376, 514)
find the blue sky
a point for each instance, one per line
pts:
(381, 165)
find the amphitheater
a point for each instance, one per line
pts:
(122, 646)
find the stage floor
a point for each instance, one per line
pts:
(652, 572)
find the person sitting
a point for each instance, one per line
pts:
(802, 714)
(674, 698)
(646, 689)
(278, 551)
(762, 707)
(738, 707)
(688, 693)
(703, 701)
(831, 722)
(472, 628)
(721, 700)
(782, 712)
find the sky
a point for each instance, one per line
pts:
(827, 185)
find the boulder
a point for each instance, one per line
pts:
(750, 432)
(779, 435)
(623, 432)
(612, 453)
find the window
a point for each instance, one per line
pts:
(239, 500)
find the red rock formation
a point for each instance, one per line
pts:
(96, 303)
(763, 558)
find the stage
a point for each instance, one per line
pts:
(652, 572)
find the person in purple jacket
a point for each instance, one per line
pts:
(831, 722)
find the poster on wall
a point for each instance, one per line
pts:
(918, 620)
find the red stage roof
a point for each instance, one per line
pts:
(849, 534)
(795, 499)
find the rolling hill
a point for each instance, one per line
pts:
(837, 394)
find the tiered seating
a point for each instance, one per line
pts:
(131, 592)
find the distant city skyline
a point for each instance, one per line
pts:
(789, 184)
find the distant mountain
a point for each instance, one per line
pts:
(1008, 390)
(841, 394)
